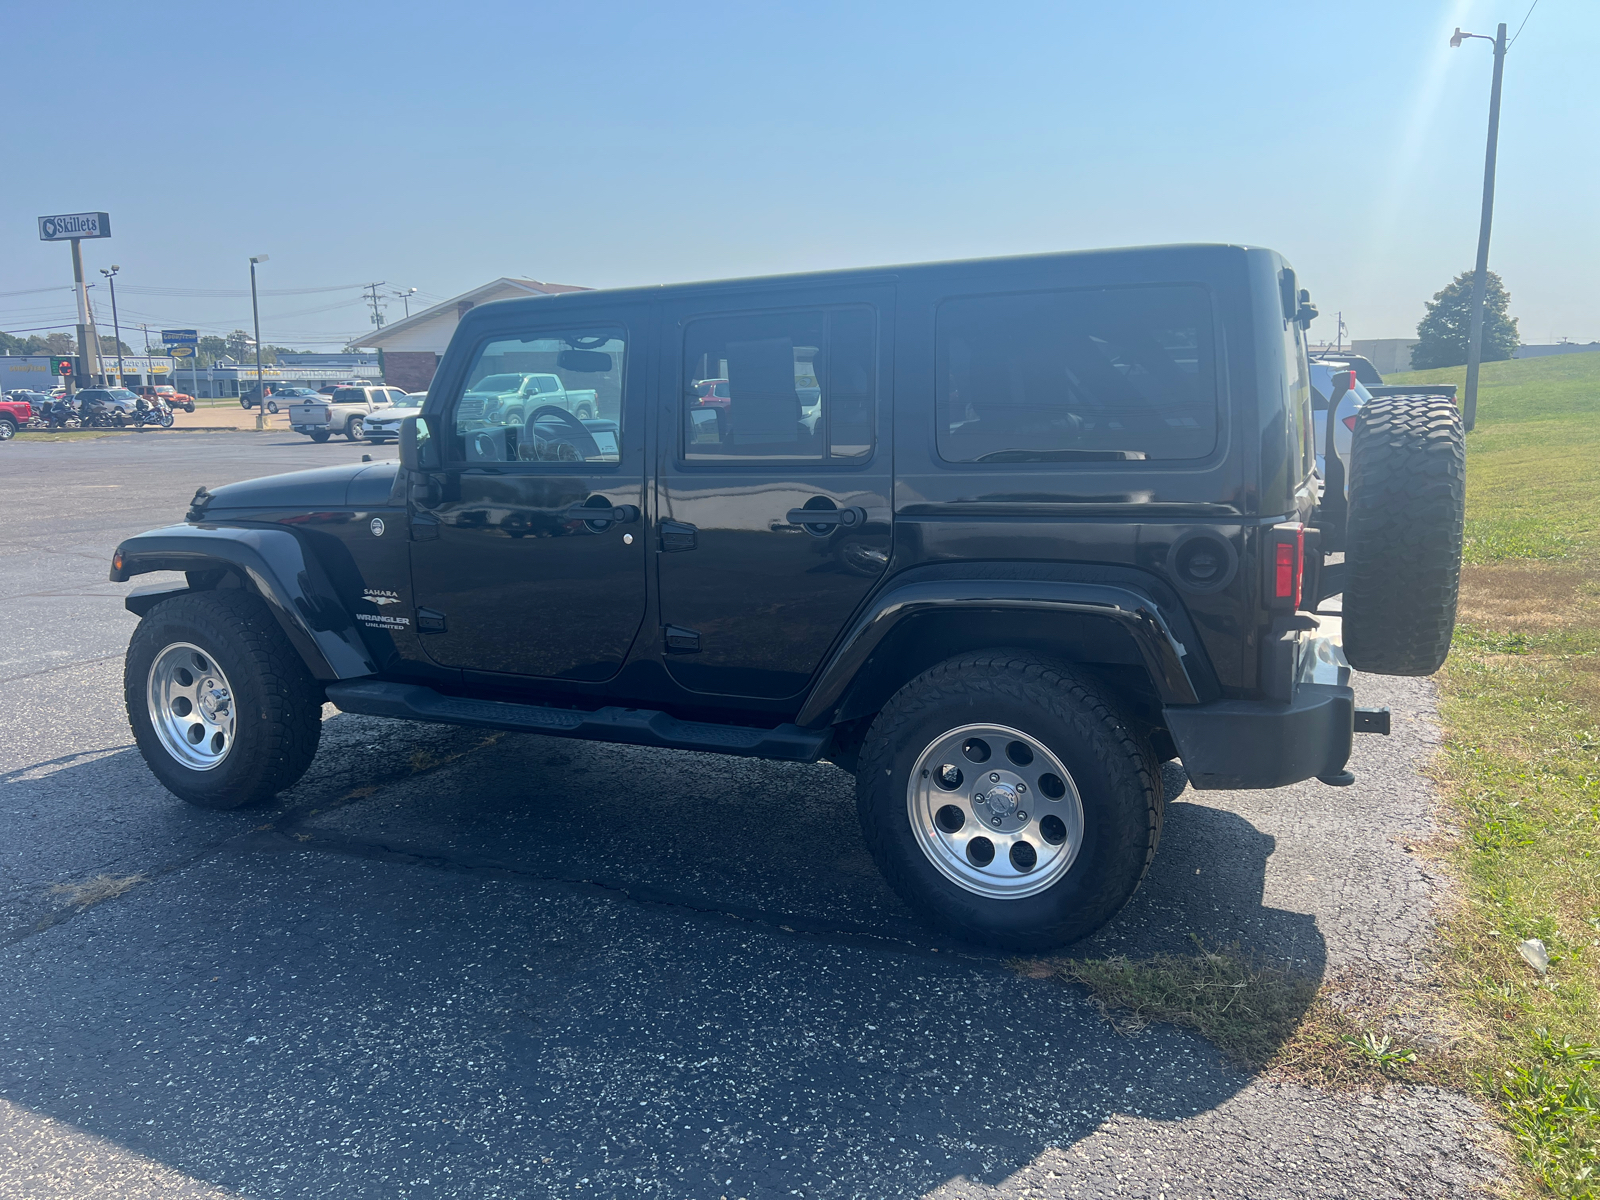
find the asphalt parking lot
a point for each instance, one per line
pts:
(452, 963)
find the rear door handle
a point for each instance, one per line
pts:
(846, 518)
(618, 514)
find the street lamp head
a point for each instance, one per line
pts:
(258, 258)
(1457, 38)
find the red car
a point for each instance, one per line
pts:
(713, 392)
(14, 414)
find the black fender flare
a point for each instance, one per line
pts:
(1162, 654)
(272, 562)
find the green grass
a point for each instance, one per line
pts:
(1531, 485)
(1520, 699)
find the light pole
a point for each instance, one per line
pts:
(116, 326)
(255, 312)
(405, 298)
(1480, 274)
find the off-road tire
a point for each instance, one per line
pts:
(278, 703)
(1408, 488)
(320, 436)
(1115, 772)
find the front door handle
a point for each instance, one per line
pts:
(845, 518)
(617, 514)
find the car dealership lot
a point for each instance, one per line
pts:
(453, 962)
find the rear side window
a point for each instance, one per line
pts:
(1077, 376)
(349, 396)
(779, 387)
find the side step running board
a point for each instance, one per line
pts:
(633, 726)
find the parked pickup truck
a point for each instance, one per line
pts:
(508, 399)
(346, 412)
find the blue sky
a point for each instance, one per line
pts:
(439, 146)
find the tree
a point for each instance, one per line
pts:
(109, 347)
(240, 345)
(210, 349)
(1444, 333)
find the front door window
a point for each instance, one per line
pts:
(536, 435)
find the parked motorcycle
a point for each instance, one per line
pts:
(59, 413)
(152, 412)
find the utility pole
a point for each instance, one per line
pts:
(85, 363)
(255, 311)
(372, 299)
(116, 326)
(405, 297)
(1480, 273)
(94, 336)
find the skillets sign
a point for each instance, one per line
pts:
(74, 225)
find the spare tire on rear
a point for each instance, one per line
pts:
(1408, 490)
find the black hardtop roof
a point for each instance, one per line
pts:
(1141, 261)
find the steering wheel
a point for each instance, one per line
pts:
(581, 450)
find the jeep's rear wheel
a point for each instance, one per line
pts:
(1404, 534)
(223, 710)
(1006, 802)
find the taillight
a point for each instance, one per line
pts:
(1286, 565)
(1350, 423)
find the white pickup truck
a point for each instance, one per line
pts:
(346, 412)
(510, 399)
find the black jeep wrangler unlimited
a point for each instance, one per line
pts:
(998, 537)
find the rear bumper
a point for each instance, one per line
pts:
(1257, 744)
(1247, 744)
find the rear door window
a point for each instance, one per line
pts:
(780, 387)
(1077, 376)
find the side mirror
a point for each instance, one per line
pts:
(1305, 314)
(418, 451)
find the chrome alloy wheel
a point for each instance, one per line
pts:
(192, 707)
(995, 811)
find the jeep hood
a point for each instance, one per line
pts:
(322, 487)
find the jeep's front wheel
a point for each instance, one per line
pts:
(223, 710)
(1006, 802)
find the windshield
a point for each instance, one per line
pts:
(498, 383)
(1322, 384)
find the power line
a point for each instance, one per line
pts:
(1518, 33)
(217, 293)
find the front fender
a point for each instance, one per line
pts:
(1161, 652)
(275, 564)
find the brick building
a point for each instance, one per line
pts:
(410, 348)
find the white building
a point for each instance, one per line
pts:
(410, 348)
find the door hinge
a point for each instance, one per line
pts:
(676, 535)
(430, 621)
(682, 641)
